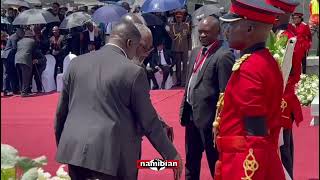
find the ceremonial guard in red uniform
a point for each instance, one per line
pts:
(291, 107)
(247, 126)
(304, 38)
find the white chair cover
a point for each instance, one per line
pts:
(66, 63)
(47, 76)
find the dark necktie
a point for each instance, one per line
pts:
(204, 50)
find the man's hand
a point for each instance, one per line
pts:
(35, 61)
(178, 171)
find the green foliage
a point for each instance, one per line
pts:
(277, 46)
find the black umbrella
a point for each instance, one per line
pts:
(35, 16)
(17, 3)
(152, 20)
(205, 11)
(75, 20)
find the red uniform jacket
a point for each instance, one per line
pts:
(304, 37)
(292, 110)
(254, 90)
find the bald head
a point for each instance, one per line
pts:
(209, 30)
(133, 18)
(126, 36)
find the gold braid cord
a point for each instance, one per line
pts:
(177, 35)
(250, 166)
(238, 62)
(217, 117)
(284, 105)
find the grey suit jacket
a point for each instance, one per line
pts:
(212, 79)
(26, 48)
(103, 112)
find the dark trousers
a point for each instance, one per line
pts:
(59, 65)
(150, 75)
(287, 151)
(165, 72)
(304, 65)
(80, 173)
(36, 73)
(25, 74)
(10, 79)
(197, 141)
(181, 73)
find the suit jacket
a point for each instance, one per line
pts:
(103, 112)
(86, 41)
(156, 59)
(212, 80)
(26, 50)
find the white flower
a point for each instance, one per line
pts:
(61, 173)
(276, 56)
(283, 51)
(43, 175)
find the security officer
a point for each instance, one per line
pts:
(247, 126)
(180, 35)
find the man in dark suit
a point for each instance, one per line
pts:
(161, 61)
(209, 71)
(91, 38)
(105, 109)
(8, 59)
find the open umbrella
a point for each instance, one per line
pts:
(4, 20)
(205, 11)
(161, 5)
(16, 3)
(35, 16)
(75, 20)
(152, 20)
(109, 13)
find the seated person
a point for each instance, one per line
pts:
(161, 61)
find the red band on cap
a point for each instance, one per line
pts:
(253, 15)
(283, 6)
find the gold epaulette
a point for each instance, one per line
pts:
(238, 62)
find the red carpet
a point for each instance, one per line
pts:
(27, 124)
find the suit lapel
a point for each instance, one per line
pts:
(192, 61)
(205, 64)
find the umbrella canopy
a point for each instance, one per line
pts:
(35, 16)
(4, 20)
(16, 3)
(161, 5)
(152, 20)
(205, 11)
(109, 13)
(34, 2)
(75, 20)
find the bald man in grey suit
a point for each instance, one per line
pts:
(105, 109)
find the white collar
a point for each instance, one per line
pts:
(111, 44)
